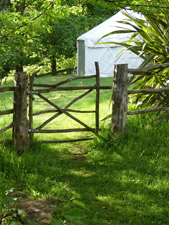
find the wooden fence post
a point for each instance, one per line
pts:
(97, 95)
(31, 80)
(120, 98)
(20, 122)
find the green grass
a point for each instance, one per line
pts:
(109, 181)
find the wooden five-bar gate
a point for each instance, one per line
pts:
(66, 110)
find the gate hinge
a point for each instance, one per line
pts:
(33, 130)
(32, 92)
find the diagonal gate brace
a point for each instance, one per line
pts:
(65, 112)
(59, 113)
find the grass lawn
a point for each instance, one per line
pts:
(109, 181)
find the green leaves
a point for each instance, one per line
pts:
(19, 38)
(30, 222)
(151, 42)
(4, 200)
(56, 223)
(72, 213)
(33, 31)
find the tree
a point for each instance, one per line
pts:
(59, 35)
(34, 30)
(146, 5)
(18, 39)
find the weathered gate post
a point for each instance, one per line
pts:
(31, 80)
(20, 122)
(97, 95)
(120, 98)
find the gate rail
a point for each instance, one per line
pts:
(6, 112)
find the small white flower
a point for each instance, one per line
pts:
(11, 190)
(138, 103)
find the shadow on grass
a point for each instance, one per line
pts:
(120, 180)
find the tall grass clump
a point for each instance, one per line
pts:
(140, 128)
(9, 167)
(135, 166)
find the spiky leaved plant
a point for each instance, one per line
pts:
(149, 40)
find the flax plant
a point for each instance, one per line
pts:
(149, 40)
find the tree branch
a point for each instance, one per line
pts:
(43, 11)
(5, 36)
(22, 8)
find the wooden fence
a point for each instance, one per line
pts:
(23, 128)
(6, 112)
(20, 123)
(121, 93)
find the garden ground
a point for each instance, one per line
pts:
(108, 181)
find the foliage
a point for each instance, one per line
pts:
(32, 32)
(17, 32)
(150, 6)
(71, 214)
(35, 31)
(59, 35)
(9, 215)
(150, 40)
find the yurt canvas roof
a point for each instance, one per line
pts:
(90, 41)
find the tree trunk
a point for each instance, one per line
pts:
(2, 4)
(53, 65)
(22, 8)
(19, 69)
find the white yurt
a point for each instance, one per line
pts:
(89, 51)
